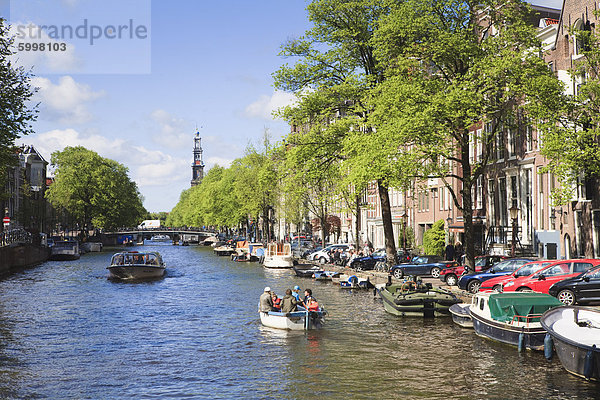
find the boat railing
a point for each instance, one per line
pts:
(527, 319)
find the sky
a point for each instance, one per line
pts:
(134, 80)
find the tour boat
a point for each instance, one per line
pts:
(136, 265)
(278, 255)
(412, 298)
(295, 321)
(512, 318)
(66, 250)
(460, 315)
(575, 332)
(160, 238)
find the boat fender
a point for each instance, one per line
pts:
(353, 279)
(588, 365)
(548, 347)
(521, 345)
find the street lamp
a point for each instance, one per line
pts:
(404, 223)
(514, 215)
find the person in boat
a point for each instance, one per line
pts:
(288, 303)
(310, 303)
(266, 301)
(276, 301)
(296, 293)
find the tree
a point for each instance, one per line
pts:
(16, 114)
(435, 239)
(94, 190)
(448, 67)
(335, 71)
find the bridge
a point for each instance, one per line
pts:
(176, 235)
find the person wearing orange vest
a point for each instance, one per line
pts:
(310, 303)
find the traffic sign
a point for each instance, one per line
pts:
(6, 220)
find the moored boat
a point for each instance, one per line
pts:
(160, 238)
(512, 318)
(460, 315)
(354, 282)
(66, 250)
(278, 255)
(136, 265)
(412, 298)
(306, 270)
(325, 275)
(296, 321)
(575, 332)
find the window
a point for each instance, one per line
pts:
(581, 267)
(480, 192)
(513, 191)
(529, 137)
(557, 270)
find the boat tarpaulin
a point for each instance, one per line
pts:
(505, 307)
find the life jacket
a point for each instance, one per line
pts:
(313, 305)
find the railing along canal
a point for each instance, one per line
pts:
(15, 236)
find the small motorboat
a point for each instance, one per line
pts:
(92, 246)
(224, 250)
(354, 282)
(325, 275)
(460, 315)
(66, 250)
(278, 255)
(295, 321)
(512, 317)
(306, 270)
(575, 332)
(136, 265)
(414, 298)
(245, 251)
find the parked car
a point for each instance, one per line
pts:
(482, 263)
(378, 256)
(472, 282)
(324, 255)
(579, 289)
(495, 284)
(551, 274)
(421, 265)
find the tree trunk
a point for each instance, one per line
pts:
(388, 230)
(357, 223)
(467, 204)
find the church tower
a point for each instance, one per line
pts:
(198, 164)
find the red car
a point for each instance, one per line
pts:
(495, 284)
(482, 263)
(549, 275)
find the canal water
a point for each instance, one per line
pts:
(66, 331)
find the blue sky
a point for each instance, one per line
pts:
(203, 63)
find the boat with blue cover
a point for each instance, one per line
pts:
(354, 282)
(512, 318)
(325, 275)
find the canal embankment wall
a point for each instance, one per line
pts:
(22, 255)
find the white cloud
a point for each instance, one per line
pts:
(61, 58)
(265, 105)
(65, 101)
(220, 161)
(174, 132)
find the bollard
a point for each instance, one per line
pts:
(521, 345)
(588, 365)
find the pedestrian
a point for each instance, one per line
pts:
(450, 252)
(458, 252)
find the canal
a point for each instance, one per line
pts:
(66, 331)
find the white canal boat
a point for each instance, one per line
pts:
(278, 255)
(295, 321)
(136, 265)
(66, 250)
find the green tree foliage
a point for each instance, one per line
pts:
(434, 239)
(446, 70)
(572, 140)
(334, 71)
(95, 190)
(16, 114)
